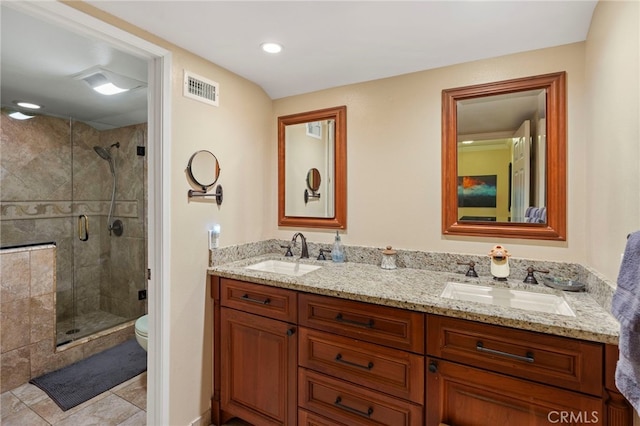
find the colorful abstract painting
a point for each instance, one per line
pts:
(477, 191)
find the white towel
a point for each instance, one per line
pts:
(626, 309)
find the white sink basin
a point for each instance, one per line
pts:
(530, 301)
(284, 268)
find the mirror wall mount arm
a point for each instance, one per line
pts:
(556, 170)
(203, 193)
(310, 194)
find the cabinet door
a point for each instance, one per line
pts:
(258, 374)
(465, 396)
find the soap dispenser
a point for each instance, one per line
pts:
(499, 263)
(337, 252)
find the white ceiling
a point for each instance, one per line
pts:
(326, 44)
(334, 43)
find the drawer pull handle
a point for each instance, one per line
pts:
(353, 364)
(339, 404)
(368, 324)
(291, 331)
(528, 358)
(250, 299)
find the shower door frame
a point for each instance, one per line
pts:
(72, 17)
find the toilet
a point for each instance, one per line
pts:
(142, 331)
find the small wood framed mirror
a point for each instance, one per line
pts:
(504, 159)
(313, 140)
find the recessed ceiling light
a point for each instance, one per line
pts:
(28, 105)
(270, 47)
(20, 116)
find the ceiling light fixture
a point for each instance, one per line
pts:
(107, 82)
(17, 115)
(271, 47)
(101, 84)
(27, 105)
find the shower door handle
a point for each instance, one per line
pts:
(83, 227)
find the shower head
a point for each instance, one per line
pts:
(105, 153)
(102, 152)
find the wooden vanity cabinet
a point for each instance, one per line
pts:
(487, 374)
(619, 411)
(360, 364)
(258, 357)
(283, 357)
(461, 395)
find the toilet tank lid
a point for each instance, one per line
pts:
(142, 325)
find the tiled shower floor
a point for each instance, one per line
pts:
(123, 405)
(86, 325)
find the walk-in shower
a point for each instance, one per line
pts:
(56, 189)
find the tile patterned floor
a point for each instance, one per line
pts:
(124, 405)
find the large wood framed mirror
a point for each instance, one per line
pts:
(313, 140)
(504, 159)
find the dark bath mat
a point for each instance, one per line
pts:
(79, 382)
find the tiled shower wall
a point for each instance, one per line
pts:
(37, 165)
(27, 296)
(27, 319)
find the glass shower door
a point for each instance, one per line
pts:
(109, 243)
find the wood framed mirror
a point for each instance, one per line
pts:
(313, 140)
(524, 194)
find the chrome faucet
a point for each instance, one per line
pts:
(305, 249)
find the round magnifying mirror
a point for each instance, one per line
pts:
(204, 169)
(313, 179)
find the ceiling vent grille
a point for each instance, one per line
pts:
(201, 89)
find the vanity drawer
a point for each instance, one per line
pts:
(397, 328)
(306, 418)
(387, 370)
(560, 361)
(272, 302)
(353, 405)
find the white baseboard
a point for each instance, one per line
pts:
(203, 420)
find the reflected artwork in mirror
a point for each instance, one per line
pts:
(504, 159)
(312, 161)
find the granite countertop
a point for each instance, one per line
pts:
(420, 289)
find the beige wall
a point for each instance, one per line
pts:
(394, 155)
(613, 137)
(237, 132)
(612, 73)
